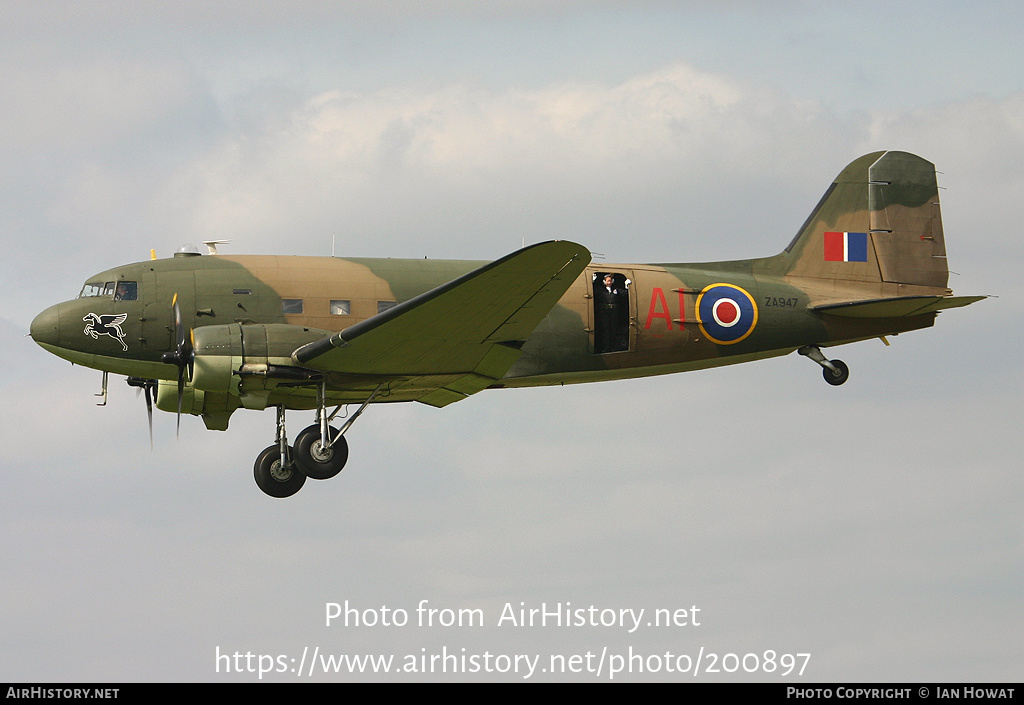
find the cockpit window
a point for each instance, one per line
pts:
(91, 289)
(119, 291)
(126, 291)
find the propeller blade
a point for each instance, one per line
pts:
(179, 329)
(149, 386)
(190, 352)
(184, 354)
(149, 410)
(181, 394)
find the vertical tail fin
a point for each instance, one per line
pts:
(879, 221)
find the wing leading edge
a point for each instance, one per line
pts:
(461, 337)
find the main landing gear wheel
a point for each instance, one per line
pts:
(274, 477)
(837, 376)
(319, 462)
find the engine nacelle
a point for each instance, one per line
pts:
(249, 360)
(215, 407)
(238, 365)
(192, 400)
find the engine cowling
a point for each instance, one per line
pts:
(243, 361)
(219, 356)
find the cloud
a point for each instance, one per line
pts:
(456, 158)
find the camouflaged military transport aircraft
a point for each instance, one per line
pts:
(210, 334)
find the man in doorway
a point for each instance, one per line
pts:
(611, 309)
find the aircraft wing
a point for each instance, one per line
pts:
(463, 335)
(896, 307)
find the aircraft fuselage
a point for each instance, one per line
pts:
(663, 330)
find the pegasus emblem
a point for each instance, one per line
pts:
(96, 325)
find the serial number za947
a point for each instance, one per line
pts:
(779, 302)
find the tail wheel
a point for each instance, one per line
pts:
(837, 376)
(274, 477)
(319, 462)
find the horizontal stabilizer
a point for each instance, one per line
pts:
(896, 307)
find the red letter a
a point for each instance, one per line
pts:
(658, 300)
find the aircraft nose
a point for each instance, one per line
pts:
(46, 327)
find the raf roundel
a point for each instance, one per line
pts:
(727, 313)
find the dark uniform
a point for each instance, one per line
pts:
(611, 309)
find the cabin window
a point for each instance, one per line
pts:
(291, 305)
(341, 307)
(126, 291)
(383, 306)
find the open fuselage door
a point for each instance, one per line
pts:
(612, 310)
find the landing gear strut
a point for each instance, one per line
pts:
(320, 450)
(835, 372)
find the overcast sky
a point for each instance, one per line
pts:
(876, 526)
